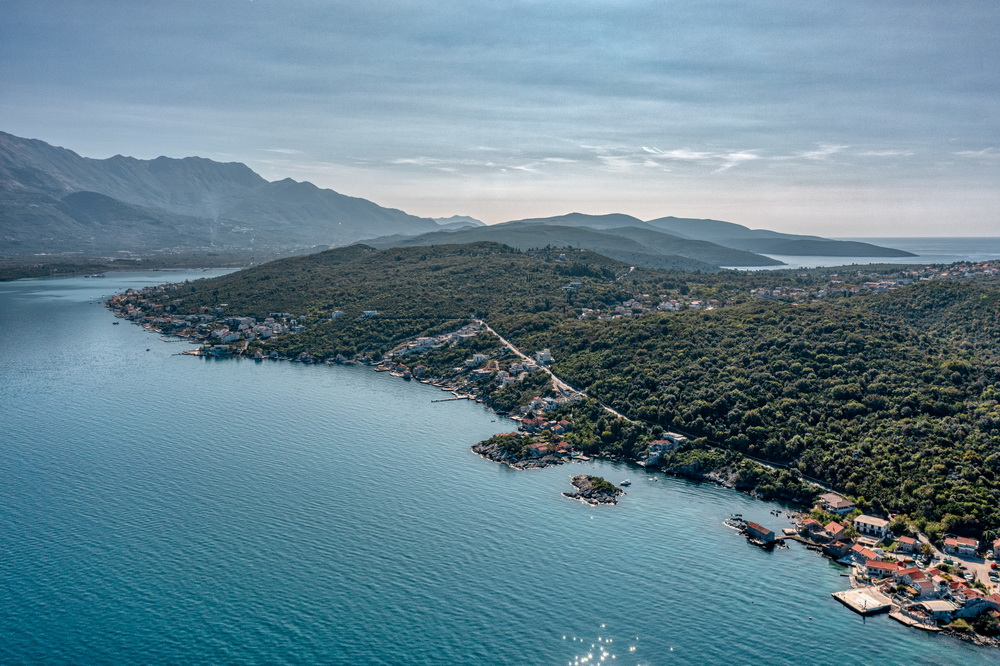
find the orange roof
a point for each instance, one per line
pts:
(961, 541)
(833, 527)
(885, 566)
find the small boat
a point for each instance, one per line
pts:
(626, 482)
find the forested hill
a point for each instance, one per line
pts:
(890, 397)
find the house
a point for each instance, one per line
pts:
(926, 589)
(368, 314)
(539, 449)
(759, 532)
(543, 357)
(905, 544)
(961, 546)
(879, 569)
(939, 609)
(911, 574)
(810, 526)
(835, 530)
(973, 606)
(861, 554)
(336, 314)
(837, 549)
(834, 503)
(996, 548)
(872, 526)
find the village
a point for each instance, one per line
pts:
(836, 285)
(956, 588)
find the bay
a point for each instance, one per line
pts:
(163, 509)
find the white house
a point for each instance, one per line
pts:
(834, 503)
(961, 546)
(872, 526)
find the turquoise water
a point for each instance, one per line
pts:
(164, 509)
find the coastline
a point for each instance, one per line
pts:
(471, 392)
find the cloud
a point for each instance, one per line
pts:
(824, 151)
(885, 153)
(282, 151)
(985, 152)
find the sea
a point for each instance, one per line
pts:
(927, 250)
(157, 508)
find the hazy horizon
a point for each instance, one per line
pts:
(848, 120)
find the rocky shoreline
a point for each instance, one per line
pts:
(594, 490)
(490, 449)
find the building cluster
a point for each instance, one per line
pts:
(150, 308)
(924, 591)
(861, 282)
(643, 303)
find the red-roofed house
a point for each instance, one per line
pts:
(909, 575)
(907, 545)
(861, 554)
(925, 588)
(760, 532)
(996, 548)
(878, 569)
(961, 546)
(835, 530)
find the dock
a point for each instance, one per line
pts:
(864, 600)
(457, 397)
(910, 622)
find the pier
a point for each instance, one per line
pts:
(864, 600)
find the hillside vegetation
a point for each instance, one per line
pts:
(890, 397)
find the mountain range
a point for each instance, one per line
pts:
(53, 200)
(667, 242)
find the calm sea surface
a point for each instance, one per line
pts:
(164, 509)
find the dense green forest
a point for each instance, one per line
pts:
(890, 397)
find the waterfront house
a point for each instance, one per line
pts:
(860, 554)
(837, 549)
(961, 546)
(834, 503)
(872, 526)
(879, 569)
(906, 544)
(939, 610)
(973, 606)
(539, 449)
(759, 532)
(835, 530)
(810, 526)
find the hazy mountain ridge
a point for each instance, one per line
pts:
(167, 202)
(737, 236)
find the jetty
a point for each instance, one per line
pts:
(864, 600)
(457, 397)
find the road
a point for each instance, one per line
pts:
(558, 384)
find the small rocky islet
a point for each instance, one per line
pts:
(594, 490)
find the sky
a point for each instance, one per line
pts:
(847, 118)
